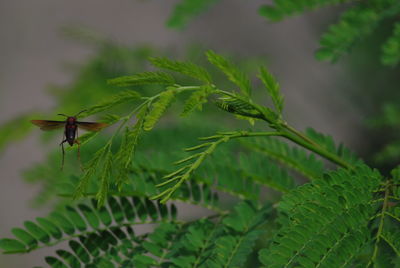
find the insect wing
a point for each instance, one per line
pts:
(48, 124)
(91, 126)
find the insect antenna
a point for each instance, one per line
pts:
(80, 113)
(63, 115)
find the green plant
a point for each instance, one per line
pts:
(356, 23)
(346, 214)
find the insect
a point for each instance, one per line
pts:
(71, 126)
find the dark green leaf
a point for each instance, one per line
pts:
(50, 227)
(116, 210)
(128, 209)
(80, 251)
(90, 216)
(74, 216)
(11, 245)
(69, 258)
(103, 213)
(25, 237)
(63, 222)
(54, 262)
(37, 232)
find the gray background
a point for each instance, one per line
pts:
(32, 52)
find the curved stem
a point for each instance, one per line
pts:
(381, 222)
(318, 150)
(293, 134)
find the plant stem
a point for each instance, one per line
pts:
(293, 134)
(300, 135)
(318, 150)
(381, 222)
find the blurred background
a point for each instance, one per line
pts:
(38, 56)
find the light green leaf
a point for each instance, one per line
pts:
(37, 232)
(90, 216)
(110, 102)
(158, 78)
(272, 87)
(11, 245)
(231, 71)
(186, 68)
(158, 109)
(25, 237)
(196, 100)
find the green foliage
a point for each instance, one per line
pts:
(327, 142)
(354, 25)
(191, 163)
(241, 176)
(196, 100)
(186, 68)
(127, 148)
(272, 87)
(145, 78)
(391, 49)
(340, 204)
(186, 9)
(335, 215)
(158, 108)
(123, 97)
(387, 121)
(392, 239)
(360, 20)
(85, 222)
(230, 70)
(299, 160)
(104, 154)
(279, 9)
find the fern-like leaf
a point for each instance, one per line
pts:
(127, 148)
(91, 170)
(227, 242)
(324, 222)
(186, 68)
(146, 78)
(158, 108)
(280, 9)
(272, 87)
(86, 221)
(235, 75)
(393, 240)
(354, 25)
(105, 179)
(123, 97)
(196, 100)
(298, 159)
(328, 144)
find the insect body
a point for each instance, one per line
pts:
(71, 130)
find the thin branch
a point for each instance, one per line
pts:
(381, 222)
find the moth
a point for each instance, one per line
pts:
(71, 125)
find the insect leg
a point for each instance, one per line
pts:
(63, 152)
